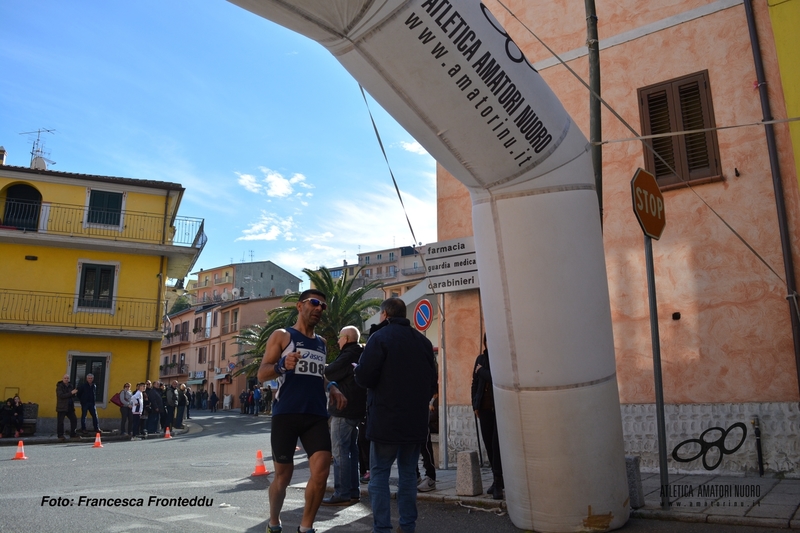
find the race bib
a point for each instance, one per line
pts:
(311, 363)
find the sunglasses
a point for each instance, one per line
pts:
(317, 303)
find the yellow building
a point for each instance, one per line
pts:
(83, 265)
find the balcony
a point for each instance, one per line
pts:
(33, 222)
(202, 334)
(32, 308)
(223, 280)
(386, 275)
(173, 369)
(413, 271)
(172, 339)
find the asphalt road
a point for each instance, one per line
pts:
(127, 486)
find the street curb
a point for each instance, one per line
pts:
(88, 439)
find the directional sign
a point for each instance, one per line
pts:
(423, 315)
(648, 204)
(451, 265)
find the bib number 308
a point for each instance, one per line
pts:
(310, 365)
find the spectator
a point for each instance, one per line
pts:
(87, 395)
(344, 422)
(212, 402)
(172, 403)
(268, 400)
(125, 409)
(256, 399)
(243, 399)
(137, 408)
(182, 403)
(17, 415)
(189, 402)
(156, 408)
(483, 405)
(398, 369)
(65, 406)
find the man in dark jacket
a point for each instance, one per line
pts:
(65, 406)
(398, 369)
(483, 405)
(87, 394)
(156, 407)
(344, 422)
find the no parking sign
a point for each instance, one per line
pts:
(423, 315)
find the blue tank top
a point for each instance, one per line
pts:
(302, 390)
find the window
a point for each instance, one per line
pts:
(222, 352)
(366, 260)
(379, 257)
(225, 322)
(234, 320)
(96, 285)
(681, 104)
(367, 272)
(105, 208)
(216, 318)
(213, 351)
(391, 256)
(81, 364)
(201, 355)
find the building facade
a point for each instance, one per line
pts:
(727, 349)
(259, 279)
(200, 346)
(84, 264)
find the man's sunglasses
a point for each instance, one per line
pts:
(317, 303)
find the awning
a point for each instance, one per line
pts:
(195, 382)
(221, 376)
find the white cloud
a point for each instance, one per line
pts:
(250, 183)
(413, 147)
(268, 228)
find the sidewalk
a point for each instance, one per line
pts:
(771, 502)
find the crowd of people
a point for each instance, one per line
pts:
(380, 409)
(11, 417)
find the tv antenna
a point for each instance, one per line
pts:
(39, 158)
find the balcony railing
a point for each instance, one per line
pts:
(386, 275)
(413, 271)
(60, 309)
(83, 221)
(223, 279)
(175, 338)
(177, 370)
(202, 333)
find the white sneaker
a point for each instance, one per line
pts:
(426, 485)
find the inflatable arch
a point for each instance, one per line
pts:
(448, 72)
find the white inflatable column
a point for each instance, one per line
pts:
(447, 71)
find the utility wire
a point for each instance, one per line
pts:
(638, 136)
(396, 187)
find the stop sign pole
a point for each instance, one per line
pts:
(648, 205)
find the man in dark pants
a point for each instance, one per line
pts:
(65, 406)
(398, 370)
(87, 394)
(483, 404)
(344, 422)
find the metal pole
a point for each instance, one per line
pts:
(443, 403)
(595, 109)
(662, 431)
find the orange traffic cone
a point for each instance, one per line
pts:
(166, 434)
(97, 443)
(261, 469)
(21, 452)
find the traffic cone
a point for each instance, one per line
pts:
(97, 443)
(21, 452)
(166, 434)
(261, 469)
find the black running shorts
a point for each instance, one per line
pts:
(312, 430)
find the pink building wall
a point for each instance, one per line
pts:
(733, 341)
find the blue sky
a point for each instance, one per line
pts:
(266, 131)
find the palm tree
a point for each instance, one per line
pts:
(346, 307)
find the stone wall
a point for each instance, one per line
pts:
(779, 423)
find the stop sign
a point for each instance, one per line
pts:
(648, 204)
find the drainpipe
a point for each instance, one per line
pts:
(783, 225)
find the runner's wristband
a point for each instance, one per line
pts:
(280, 366)
(332, 384)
